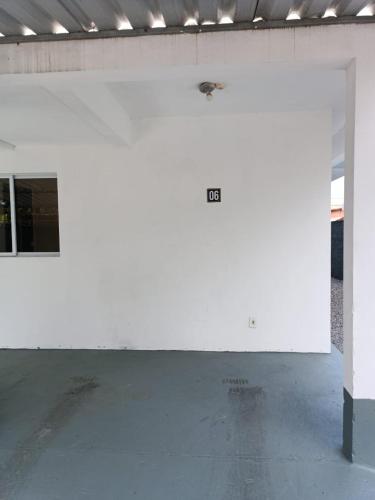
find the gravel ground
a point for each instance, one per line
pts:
(336, 314)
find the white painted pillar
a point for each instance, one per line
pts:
(359, 264)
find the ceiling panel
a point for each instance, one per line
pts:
(9, 25)
(315, 8)
(139, 13)
(103, 14)
(274, 9)
(28, 14)
(208, 11)
(245, 10)
(60, 14)
(177, 12)
(226, 9)
(33, 115)
(351, 7)
(75, 11)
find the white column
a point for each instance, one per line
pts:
(359, 263)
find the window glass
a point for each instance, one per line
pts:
(5, 217)
(36, 215)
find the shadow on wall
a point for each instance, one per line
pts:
(337, 249)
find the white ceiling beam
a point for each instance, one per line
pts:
(96, 106)
(101, 101)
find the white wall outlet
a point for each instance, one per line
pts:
(252, 323)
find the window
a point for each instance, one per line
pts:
(5, 217)
(29, 218)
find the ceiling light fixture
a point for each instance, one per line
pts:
(293, 16)
(124, 24)
(258, 19)
(207, 88)
(330, 12)
(28, 31)
(191, 21)
(226, 20)
(2, 34)
(206, 23)
(366, 11)
(58, 29)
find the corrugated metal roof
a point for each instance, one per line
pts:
(64, 18)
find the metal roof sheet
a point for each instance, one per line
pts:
(79, 18)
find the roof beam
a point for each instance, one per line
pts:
(97, 107)
(101, 101)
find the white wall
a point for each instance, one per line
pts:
(359, 241)
(146, 263)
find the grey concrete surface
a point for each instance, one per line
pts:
(359, 430)
(117, 425)
(337, 326)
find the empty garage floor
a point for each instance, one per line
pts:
(174, 425)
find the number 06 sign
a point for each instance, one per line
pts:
(214, 195)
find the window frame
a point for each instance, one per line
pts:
(11, 178)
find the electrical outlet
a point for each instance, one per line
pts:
(252, 323)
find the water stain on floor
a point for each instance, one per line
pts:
(248, 474)
(28, 452)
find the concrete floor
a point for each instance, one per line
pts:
(174, 426)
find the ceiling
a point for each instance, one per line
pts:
(250, 91)
(94, 110)
(86, 111)
(21, 18)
